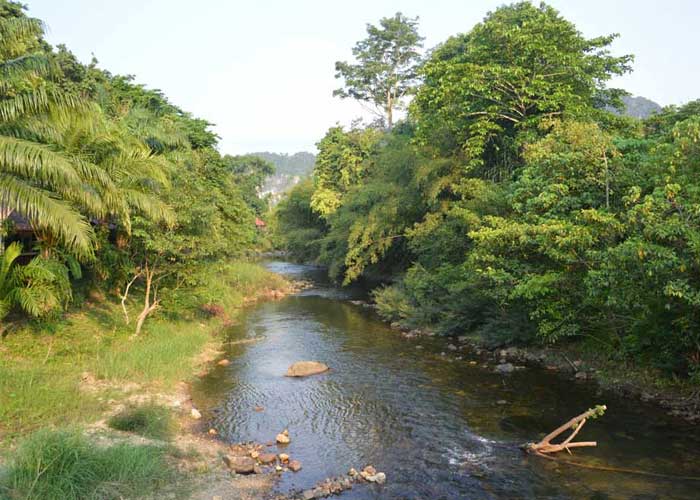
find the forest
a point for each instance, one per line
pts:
(514, 201)
(178, 322)
(105, 184)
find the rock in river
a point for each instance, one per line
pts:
(283, 437)
(267, 458)
(504, 368)
(306, 368)
(240, 465)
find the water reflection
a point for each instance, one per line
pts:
(432, 423)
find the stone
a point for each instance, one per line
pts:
(379, 478)
(267, 458)
(305, 369)
(254, 454)
(257, 469)
(195, 414)
(295, 466)
(283, 437)
(581, 375)
(452, 347)
(212, 432)
(240, 465)
(307, 495)
(501, 402)
(259, 408)
(278, 468)
(284, 457)
(352, 472)
(369, 470)
(224, 362)
(504, 368)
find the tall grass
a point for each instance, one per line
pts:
(65, 465)
(41, 365)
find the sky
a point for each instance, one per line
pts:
(263, 71)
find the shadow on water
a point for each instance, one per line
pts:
(433, 423)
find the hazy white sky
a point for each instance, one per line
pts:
(262, 71)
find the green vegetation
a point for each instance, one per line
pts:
(66, 465)
(385, 72)
(513, 205)
(63, 372)
(106, 184)
(149, 420)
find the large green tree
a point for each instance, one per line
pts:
(486, 91)
(386, 65)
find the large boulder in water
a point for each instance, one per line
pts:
(305, 368)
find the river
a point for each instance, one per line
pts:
(440, 428)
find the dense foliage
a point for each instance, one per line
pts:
(114, 181)
(512, 203)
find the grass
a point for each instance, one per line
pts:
(42, 365)
(64, 464)
(149, 420)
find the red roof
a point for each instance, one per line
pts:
(259, 222)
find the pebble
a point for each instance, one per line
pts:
(195, 414)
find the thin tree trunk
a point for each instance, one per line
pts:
(389, 110)
(607, 181)
(148, 306)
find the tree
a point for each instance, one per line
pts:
(341, 164)
(486, 90)
(36, 180)
(386, 67)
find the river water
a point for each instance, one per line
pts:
(440, 428)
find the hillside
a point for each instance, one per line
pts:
(289, 170)
(640, 107)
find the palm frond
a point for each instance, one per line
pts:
(43, 209)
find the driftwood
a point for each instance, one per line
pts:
(546, 447)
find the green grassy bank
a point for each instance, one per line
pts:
(74, 370)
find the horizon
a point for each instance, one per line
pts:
(300, 45)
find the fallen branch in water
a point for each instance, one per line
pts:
(545, 446)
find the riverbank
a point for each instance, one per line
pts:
(72, 375)
(580, 363)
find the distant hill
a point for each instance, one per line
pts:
(289, 170)
(640, 107)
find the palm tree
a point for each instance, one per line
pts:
(38, 180)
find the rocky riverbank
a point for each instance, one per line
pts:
(571, 362)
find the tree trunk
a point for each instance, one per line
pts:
(389, 110)
(148, 306)
(607, 181)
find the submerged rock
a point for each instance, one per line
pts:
(306, 368)
(295, 466)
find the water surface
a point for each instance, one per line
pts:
(439, 427)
